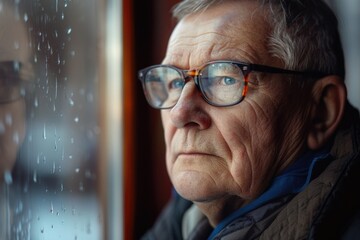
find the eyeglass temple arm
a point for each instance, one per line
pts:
(268, 69)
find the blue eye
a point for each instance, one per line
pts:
(229, 80)
(176, 84)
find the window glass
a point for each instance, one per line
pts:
(49, 120)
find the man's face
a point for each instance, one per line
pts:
(215, 153)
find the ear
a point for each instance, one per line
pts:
(329, 97)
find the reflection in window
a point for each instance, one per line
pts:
(49, 129)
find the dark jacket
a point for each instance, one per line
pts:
(329, 208)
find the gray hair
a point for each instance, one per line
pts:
(304, 36)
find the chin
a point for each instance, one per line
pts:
(195, 187)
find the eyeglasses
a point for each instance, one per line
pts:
(221, 83)
(12, 81)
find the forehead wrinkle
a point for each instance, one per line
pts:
(194, 54)
(191, 51)
(246, 44)
(235, 50)
(240, 37)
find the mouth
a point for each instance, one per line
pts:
(193, 155)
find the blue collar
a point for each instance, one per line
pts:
(292, 180)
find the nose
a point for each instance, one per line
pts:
(190, 109)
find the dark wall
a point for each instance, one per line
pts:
(152, 27)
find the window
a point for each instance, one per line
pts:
(55, 138)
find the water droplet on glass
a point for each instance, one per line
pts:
(7, 177)
(53, 168)
(71, 102)
(42, 230)
(51, 208)
(35, 177)
(26, 17)
(36, 102)
(61, 187)
(62, 16)
(8, 119)
(76, 119)
(44, 132)
(69, 31)
(77, 170)
(16, 137)
(56, 88)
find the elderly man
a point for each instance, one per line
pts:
(260, 139)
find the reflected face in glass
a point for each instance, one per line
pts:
(12, 131)
(215, 153)
(14, 54)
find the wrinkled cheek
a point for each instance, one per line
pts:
(242, 173)
(168, 155)
(250, 168)
(168, 137)
(169, 162)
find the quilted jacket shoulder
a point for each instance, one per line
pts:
(329, 205)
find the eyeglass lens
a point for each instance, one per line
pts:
(221, 84)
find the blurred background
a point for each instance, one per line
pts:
(92, 165)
